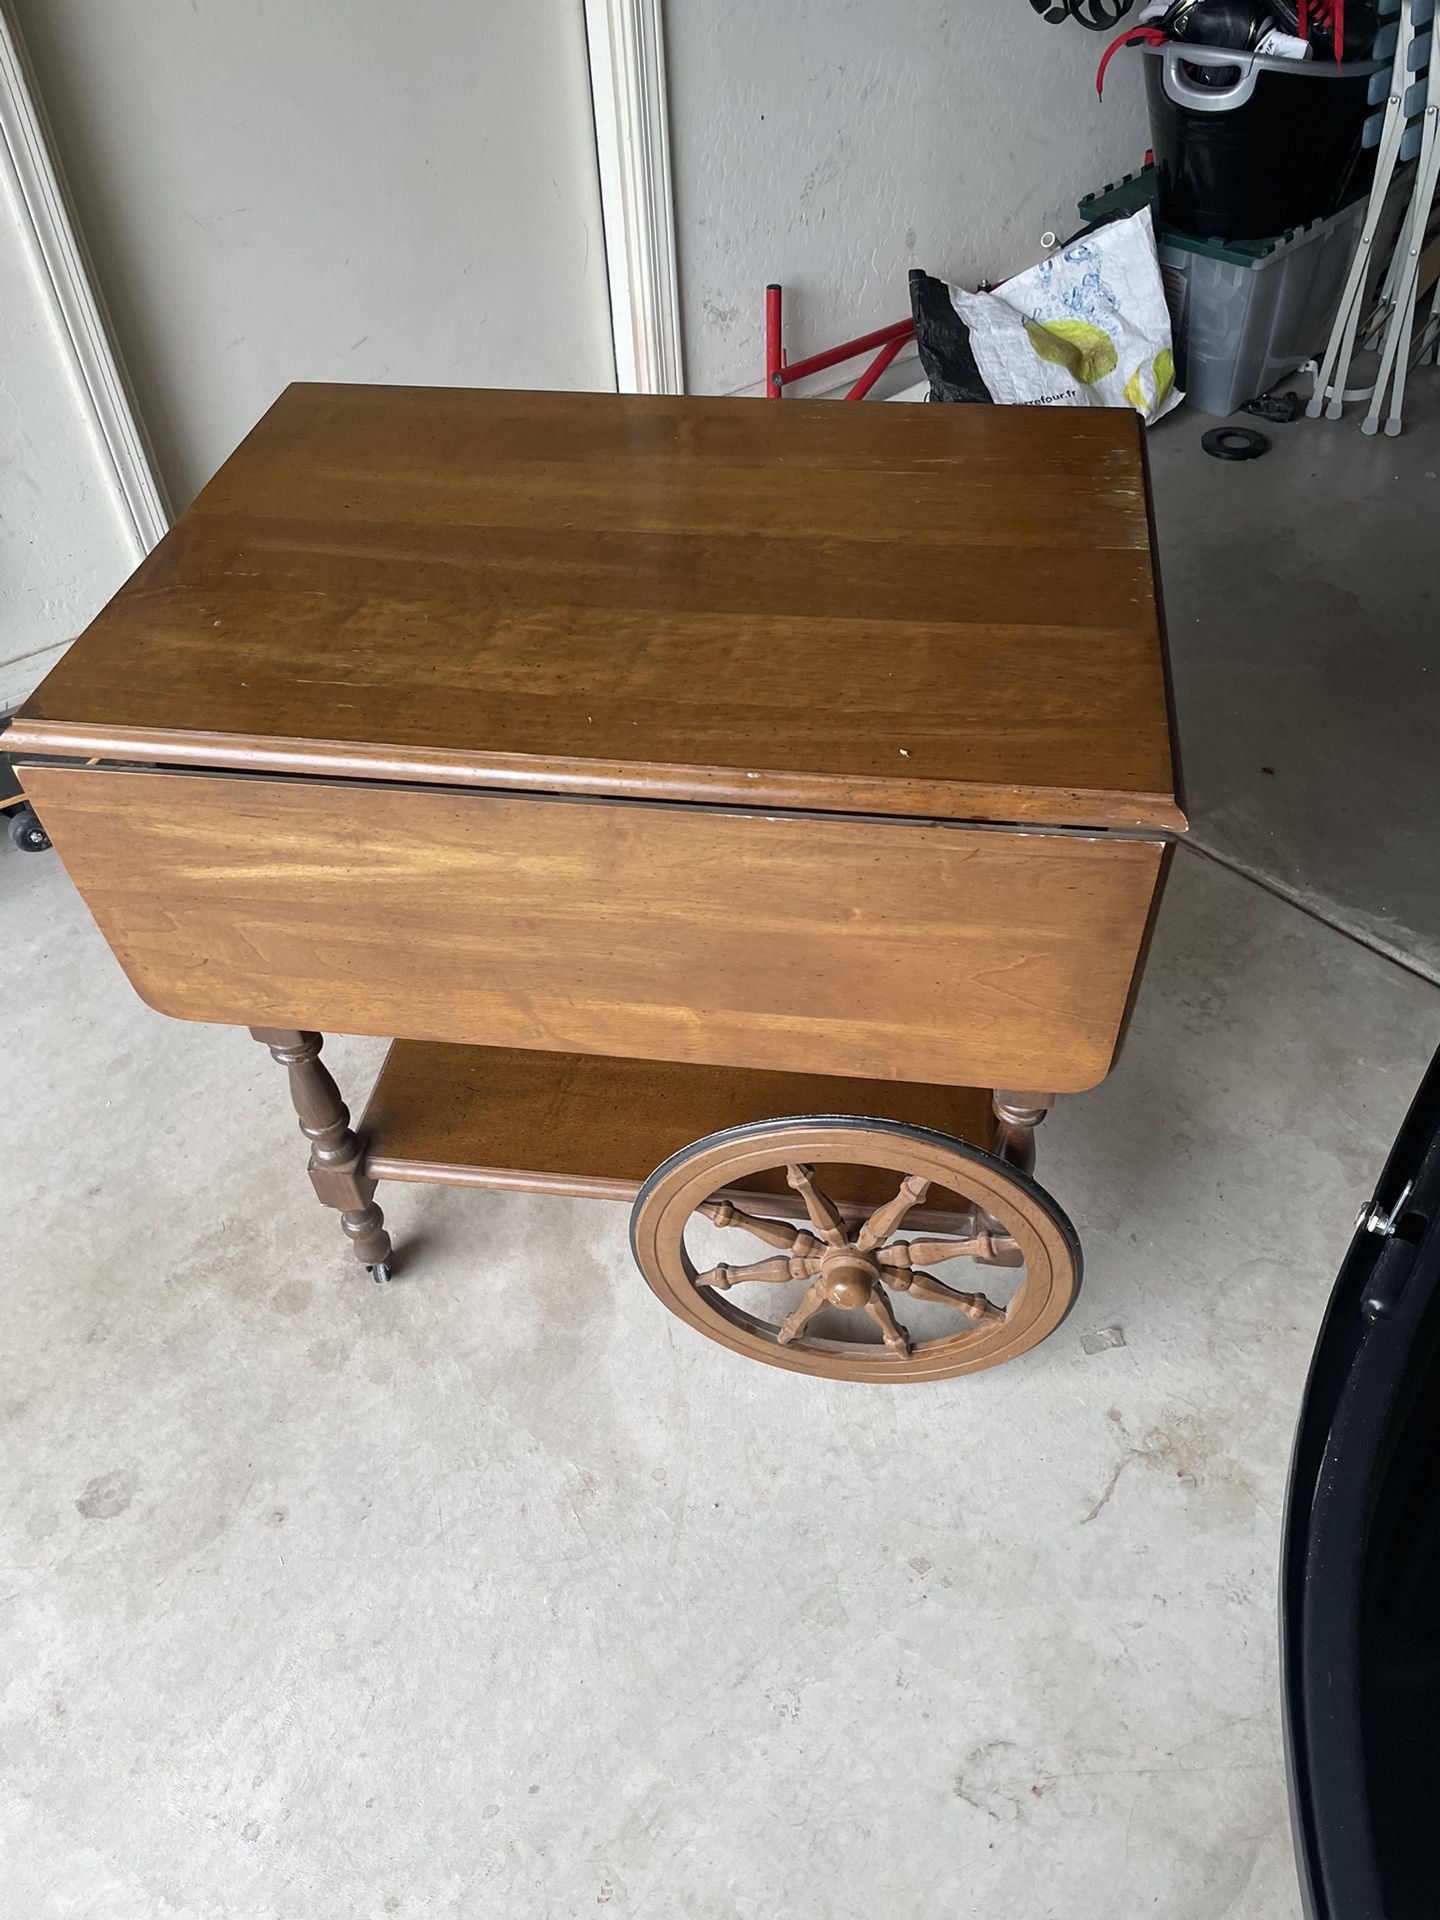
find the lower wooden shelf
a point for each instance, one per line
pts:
(597, 1128)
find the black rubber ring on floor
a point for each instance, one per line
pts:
(1235, 443)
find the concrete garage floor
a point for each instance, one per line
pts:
(1302, 597)
(498, 1592)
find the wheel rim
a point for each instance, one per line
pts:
(853, 1262)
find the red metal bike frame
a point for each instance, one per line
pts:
(780, 372)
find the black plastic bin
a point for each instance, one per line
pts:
(1247, 145)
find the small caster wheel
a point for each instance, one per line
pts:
(27, 833)
(380, 1274)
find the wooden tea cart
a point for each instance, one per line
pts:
(714, 802)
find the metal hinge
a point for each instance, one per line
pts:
(1374, 1219)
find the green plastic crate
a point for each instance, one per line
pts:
(1244, 313)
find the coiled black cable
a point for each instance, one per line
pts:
(1100, 16)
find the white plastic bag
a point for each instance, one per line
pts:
(1088, 327)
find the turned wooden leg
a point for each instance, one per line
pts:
(1019, 1114)
(336, 1155)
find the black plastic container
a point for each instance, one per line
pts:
(1247, 145)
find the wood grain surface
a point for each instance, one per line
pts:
(898, 950)
(599, 1127)
(932, 611)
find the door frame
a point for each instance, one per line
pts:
(626, 53)
(626, 45)
(66, 282)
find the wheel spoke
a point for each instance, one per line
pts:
(779, 1267)
(891, 1331)
(795, 1324)
(994, 1247)
(886, 1220)
(974, 1306)
(1000, 1250)
(924, 1253)
(824, 1214)
(777, 1233)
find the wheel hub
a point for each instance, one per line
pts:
(848, 1277)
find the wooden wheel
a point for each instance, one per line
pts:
(837, 1272)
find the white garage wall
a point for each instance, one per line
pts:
(328, 189)
(64, 546)
(834, 144)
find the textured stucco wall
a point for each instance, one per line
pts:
(834, 144)
(280, 190)
(63, 549)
